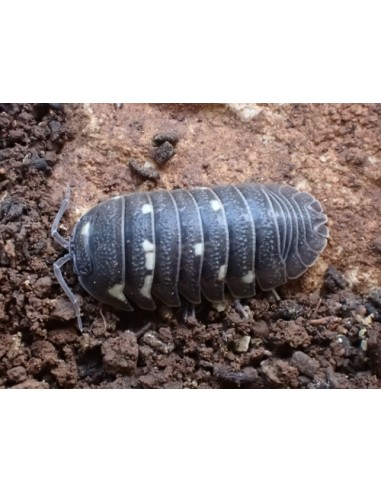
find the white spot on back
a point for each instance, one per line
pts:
(215, 204)
(148, 246)
(117, 292)
(85, 229)
(248, 278)
(222, 272)
(150, 260)
(198, 249)
(149, 249)
(146, 289)
(147, 208)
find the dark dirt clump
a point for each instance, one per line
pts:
(324, 333)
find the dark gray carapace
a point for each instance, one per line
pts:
(162, 244)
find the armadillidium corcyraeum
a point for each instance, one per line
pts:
(161, 245)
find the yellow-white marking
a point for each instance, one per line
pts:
(146, 289)
(215, 204)
(248, 278)
(147, 208)
(148, 246)
(85, 229)
(222, 272)
(117, 292)
(149, 250)
(150, 260)
(198, 249)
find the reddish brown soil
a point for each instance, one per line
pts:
(324, 333)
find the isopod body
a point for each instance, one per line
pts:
(141, 247)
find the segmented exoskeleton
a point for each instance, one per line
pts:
(139, 247)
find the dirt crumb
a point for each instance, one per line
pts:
(31, 384)
(280, 373)
(334, 280)
(305, 364)
(170, 136)
(163, 153)
(290, 334)
(120, 354)
(17, 374)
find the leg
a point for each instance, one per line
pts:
(244, 310)
(54, 230)
(57, 270)
(189, 312)
(276, 295)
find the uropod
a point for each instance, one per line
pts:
(141, 247)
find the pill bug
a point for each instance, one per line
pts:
(163, 244)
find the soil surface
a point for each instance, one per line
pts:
(325, 332)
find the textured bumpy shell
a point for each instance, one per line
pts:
(161, 244)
